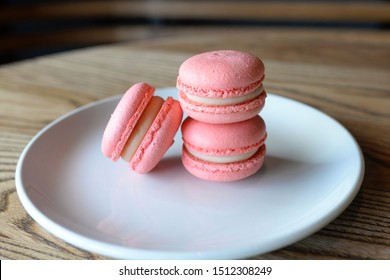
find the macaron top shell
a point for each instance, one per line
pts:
(124, 118)
(224, 73)
(224, 139)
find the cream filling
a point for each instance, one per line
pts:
(142, 127)
(226, 101)
(222, 159)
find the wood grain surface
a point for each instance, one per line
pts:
(344, 73)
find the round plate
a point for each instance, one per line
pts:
(312, 171)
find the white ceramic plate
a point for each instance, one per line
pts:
(312, 171)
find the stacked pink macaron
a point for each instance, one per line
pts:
(223, 136)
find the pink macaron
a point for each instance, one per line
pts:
(223, 152)
(222, 86)
(141, 128)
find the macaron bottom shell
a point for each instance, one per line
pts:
(223, 172)
(222, 114)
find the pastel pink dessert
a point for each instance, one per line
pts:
(222, 86)
(223, 152)
(142, 128)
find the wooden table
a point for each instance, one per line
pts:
(344, 73)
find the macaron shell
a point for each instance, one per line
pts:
(222, 172)
(159, 137)
(222, 114)
(124, 118)
(224, 139)
(221, 73)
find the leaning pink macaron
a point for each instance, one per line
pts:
(223, 152)
(222, 86)
(141, 128)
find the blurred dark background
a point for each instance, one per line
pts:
(33, 28)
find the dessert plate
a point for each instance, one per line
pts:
(312, 172)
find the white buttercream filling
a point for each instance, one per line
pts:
(222, 159)
(226, 101)
(141, 128)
